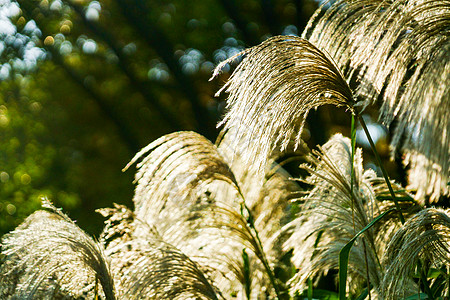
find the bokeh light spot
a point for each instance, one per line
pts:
(25, 179)
(49, 41)
(10, 209)
(4, 177)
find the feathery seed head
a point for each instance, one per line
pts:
(272, 90)
(48, 256)
(425, 235)
(398, 52)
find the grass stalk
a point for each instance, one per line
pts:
(262, 256)
(310, 289)
(345, 252)
(247, 277)
(380, 164)
(367, 269)
(352, 175)
(352, 179)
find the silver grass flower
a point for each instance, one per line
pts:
(332, 213)
(178, 163)
(426, 235)
(126, 245)
(398, 51)
(217, 237)
(178, 192)
(267, 194)
(271, 92)
(148, 267)
(49, 256)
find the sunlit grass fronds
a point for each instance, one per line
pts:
(152, 269)
(272, 90)
(398, 51)
(232, 231)
(425, 176)
(337, 26)
(267, 194)
(49, 256)
(332, 214)
(168, 274)
(212, 236)
(415, 77)
(425, 236)
(119, 225)
(253, 184)
(148, 267)
(177, 164)
(180, 192)
(233, 151)
(223, 234)
(180, 174)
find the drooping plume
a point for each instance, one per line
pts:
(267, 193)
(332, 213)
(399, 52)
(49, 256)
(272, 90)
(177, 166)
(425, 236)
(148, 267)
(189, 194)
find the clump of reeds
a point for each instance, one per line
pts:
(226, 220)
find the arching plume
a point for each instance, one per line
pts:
(426, 236)
(332, 213)
(149, 267)
(189, 194)
(49, 256)
(178, 165)
(268, 194)
(398, 52)
(272, 90)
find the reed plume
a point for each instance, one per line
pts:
(272, 90)
(426, 236)
(148, 266)
(49, 256)
(334, 210)
(186, 191)
(397, 52)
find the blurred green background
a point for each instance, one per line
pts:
(85, 84)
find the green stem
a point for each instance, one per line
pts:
(352, 175)
(262, 255)
(352, 179)
(377, 157)
(247, 279)
(367, 269)
(423, 278)
(310, 289)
